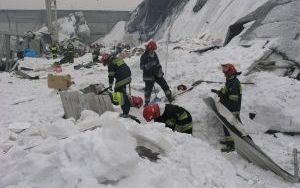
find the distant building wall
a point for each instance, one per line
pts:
(19, 21)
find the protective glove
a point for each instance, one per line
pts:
(109, 89)
(148, 66)
(171, 123)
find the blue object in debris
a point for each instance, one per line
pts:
(30, 53)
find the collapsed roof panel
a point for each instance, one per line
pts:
(146, 18)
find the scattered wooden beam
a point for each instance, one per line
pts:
(205, 49)
(26, 76)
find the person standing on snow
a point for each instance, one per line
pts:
(70, 52)
(231, 97)
(96, 54)
(54, 50)
(152, 72)
(117, 69)
(175, 117)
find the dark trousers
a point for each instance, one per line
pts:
(67, 59)
(149, 87)
(54, 55)
(70, 57)
(226, 132)
(126, 101)
(20, 54)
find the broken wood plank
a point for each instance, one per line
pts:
(267, 63)
(295, 74)
(26, 69)
(275, 67)
(26, 76)
(205, 49)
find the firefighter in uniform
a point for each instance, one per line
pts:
(231, 97)
(70, 52)
(95, 55)
(54, 50)
(175, 117)
(120, 72)
(152, 72)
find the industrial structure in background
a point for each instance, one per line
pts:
(51, 11)
(25, 31)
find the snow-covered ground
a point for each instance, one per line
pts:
(105, 157)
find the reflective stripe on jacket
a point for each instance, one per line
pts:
(151, 66)
(176, 118)
(117, 69)
(231, 95)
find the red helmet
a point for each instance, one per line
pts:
(105, 59)
(137, 101)
(151, 112)
(151, 45)
(229, 69)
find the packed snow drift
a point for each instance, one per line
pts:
(39, 148)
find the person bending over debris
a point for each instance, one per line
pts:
(122, 99)
(152, 72)
(175, 117)
(231, 97)
(117, 69)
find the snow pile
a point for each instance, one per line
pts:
(71, 26)
(211, 23)
(115, 35)
(281, 22)
(84, 160)
(106, 156)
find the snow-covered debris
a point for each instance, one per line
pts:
(278, 20)
(106, 156)
(149, 15)
(72, 26)
(85, 160)
(115, 36)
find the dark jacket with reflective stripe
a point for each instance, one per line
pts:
(150, 66)
(119, 70)
(96, 54)
(54, 49)
(70, 48)
(174, 115)
(231, 95)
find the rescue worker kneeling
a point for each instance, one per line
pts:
(122, 99)
(175, 117)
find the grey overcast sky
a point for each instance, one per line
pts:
(72, 4)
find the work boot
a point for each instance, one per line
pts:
(229, 147)
(124, 115)
(226, 139)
